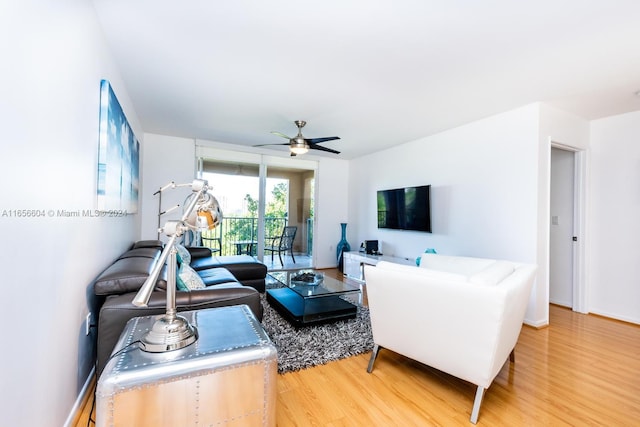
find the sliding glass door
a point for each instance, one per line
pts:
(291, 206)
(236, 186)
(260, 198)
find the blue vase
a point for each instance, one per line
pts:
(343, 246)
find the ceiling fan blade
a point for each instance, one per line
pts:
(319, 140)
(280, 134)
(321, 148)
(264, 145)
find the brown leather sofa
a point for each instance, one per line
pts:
(228, 280)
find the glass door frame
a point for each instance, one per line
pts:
(263, 161)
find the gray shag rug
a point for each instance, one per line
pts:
(300, 348)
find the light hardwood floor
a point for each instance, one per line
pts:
(581, 370)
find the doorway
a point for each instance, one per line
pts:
(258, 201)
(299, 201)
(561, 232)
(566, 228)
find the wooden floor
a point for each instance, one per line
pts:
(582, 370)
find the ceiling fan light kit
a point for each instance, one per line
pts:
(300, 144)
(298, 148)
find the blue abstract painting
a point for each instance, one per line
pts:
(118, 157)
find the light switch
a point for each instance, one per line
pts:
(554, 220)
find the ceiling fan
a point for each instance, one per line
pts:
(300, 145)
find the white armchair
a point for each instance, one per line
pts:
(459, 315)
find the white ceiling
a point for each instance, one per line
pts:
(377, 73)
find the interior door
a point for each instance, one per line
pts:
(561, 256)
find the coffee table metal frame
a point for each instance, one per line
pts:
(304, 305)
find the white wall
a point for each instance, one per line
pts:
(490, 197)
(614, 269)
(484, 191)
(54, 57)
(332, 208)
(165, 159)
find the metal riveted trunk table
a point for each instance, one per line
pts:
(227, 377)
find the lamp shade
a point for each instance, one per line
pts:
(207, 215)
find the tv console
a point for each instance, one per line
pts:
(354, 263)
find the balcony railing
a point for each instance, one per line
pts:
(239, 235)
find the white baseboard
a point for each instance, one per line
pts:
(538, 324)
(616, 316)
(77, 406)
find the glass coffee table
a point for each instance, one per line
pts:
(319, 299)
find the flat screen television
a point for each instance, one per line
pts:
(407, 208)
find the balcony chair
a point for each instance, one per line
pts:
(212, 240)
(282, 243)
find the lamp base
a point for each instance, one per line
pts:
(169, 333)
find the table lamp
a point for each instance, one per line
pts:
(171, 331)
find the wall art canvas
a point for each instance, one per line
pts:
(118, 157)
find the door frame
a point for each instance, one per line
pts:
(579, 283)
